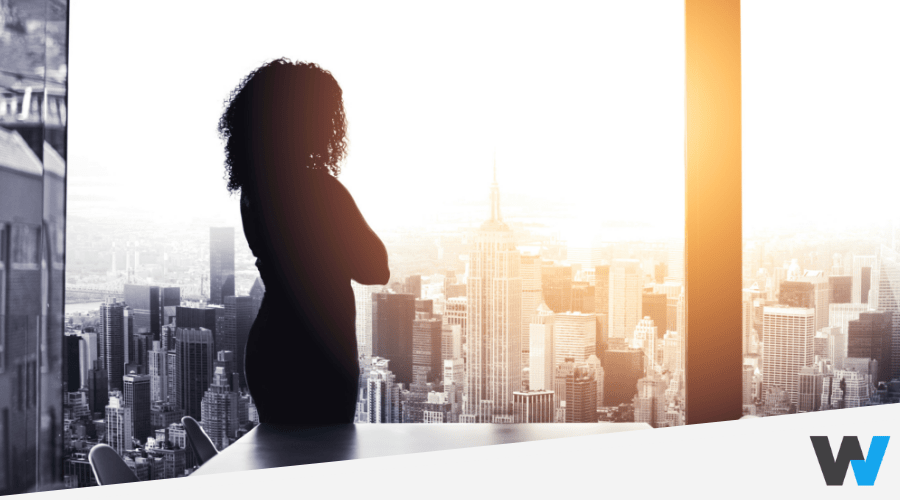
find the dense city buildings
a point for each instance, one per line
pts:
(221, 264)
(239, 317)
(625, 288)
(656, 307)
(219, 410)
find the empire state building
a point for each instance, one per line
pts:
(494, 295)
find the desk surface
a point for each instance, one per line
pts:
(269, 445)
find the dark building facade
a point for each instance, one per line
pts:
(622, 370)
(72, 372)
(221, 264)
(113, 323)
(841, 289)
(870, 337)
(426, 356)
(193, 368)
(655, 305)
(797, 294)
(137, 397)
(146, 307)
(392, 332)
(413, 286)
(210, 318)
(239, 318)
(583, 297)
(556, 284)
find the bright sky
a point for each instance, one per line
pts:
(583, 103)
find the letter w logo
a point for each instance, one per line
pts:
(834, 469)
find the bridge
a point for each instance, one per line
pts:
(95, 291)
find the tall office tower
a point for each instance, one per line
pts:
(623, 370)
(392, 332)
(381, 394)
(454, 386)
(788, 339)
(532, 293)
(576, 393)
(836, 349)
(456, 312)
(656, 307)
(413, 286)
(650, 402)
(171, 374)
(112, 330)
(841, 289)
(141, 343)
(672, 289)
(119, 430)
(221, 264)
(167, 337)
(219, 410)
(747, 330)
(156, 360)
(625, 288)
(871, 337)
(676, 260)
(194, 363)
(839, 316)
(72, 362)
(776, 401)
(821, 295)
(747, 386)
(145, 305)
(362, 294)
(543, 356)
(673, 352)
(137, 398)
(533, 407)
(225, 360)
(645, 339)
(238, 320)
(426, 347)
(451, 342)
(779, 276)
(98, 387)
(810, 389)
(87, 355)
(494, 291)
(601, 289)
(574, 336)
(211, 318)
(593, 363)
(862, 277)
(583, 296)
(660, 271)
(556, 286)
(820, 345)
(886, 288)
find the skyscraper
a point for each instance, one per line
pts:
(137, 399)
(623, 370)
(810, 389)
(238, 320)
(112, 330)
(574, 336)
(601, 289)
(871, 337)
(221, 264)
(655, 306)
(543, 357)
(382, 405)
(556, 286)
(145, 304)
(576, 393)
(841, 289)
(494, 291)
(530, 271)
(426, 348)
(392, 332)
(886, 287)
(788, 339)
(862, 277)
(119, 430)
(193, 371)
(533, 406)
(156, 359)
(219, 410)
(363, 296)
(650, 402)
(625, 290)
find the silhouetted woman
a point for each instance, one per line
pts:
(285, 134)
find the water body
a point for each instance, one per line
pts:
(83, 307)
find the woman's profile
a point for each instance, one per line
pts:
(285, 135)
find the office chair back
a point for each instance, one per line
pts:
(108, 466)
(203, 447)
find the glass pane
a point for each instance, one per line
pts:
(822, 320)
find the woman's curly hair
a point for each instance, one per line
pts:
(301, 98)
